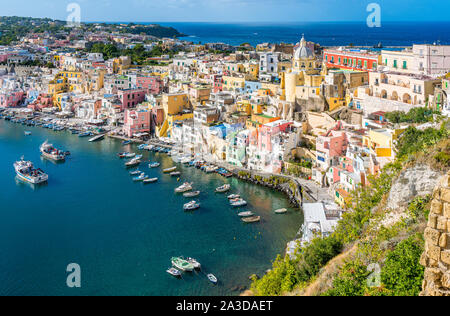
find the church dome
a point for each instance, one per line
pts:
(302, 51)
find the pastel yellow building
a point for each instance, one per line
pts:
(231, 83)
(174, 103)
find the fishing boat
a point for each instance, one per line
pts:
(175, 173)
(48, 151)
(184, 187)
(154, 165)
(26, 172)
(181, 264)
(194, 262)
(129, 155)
(150, 180)
(233, 196)
(174, 272)
(139, 156)
(97, 138)
(135, 172)
(281, 211)
(223, 188)
(246, 214)
(168, 170)
(251, 219)
(126, 142)
(27, 133)
(192, 205)
(191, 194)
(212, 278)
(238, 202)
(132, 163)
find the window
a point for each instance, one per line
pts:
(395, 63)
(405, 66)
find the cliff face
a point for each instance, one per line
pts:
(436, 257)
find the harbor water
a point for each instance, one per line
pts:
(123, 233)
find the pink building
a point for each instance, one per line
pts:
(136, 122)
(11, 98)
(131, 97)
(153, 84)
(331, 145)
(42, 101)
(270, 130)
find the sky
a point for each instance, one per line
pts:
(229, 10)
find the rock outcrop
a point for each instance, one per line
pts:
(417, 181)
(436, 257)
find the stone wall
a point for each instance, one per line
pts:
(436, 257)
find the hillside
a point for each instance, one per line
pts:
(377, 246)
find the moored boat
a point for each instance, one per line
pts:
(168, 170)
(133, 162)
(192, 205)
(97, 138)
(135, 172)
(238, 202)
(174, 272)
(26, 172)
(251, 219)
(154, 165)
(281, 211)
(191, 194)
(27, 133)
(223, 188)
(182, 264)
(194, 262)
(48, 151)
(184, 187)
(212, 278)
(175, 173)
(233, 196)
(246, 214)
(150, 180)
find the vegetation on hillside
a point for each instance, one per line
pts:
(388, 254)
(415, 115)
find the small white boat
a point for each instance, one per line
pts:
(174, 272)
(132, 163)
(129, 155)
(184, 187)
(141, 177)
(238, 202)
(223, 188)
(246, 214)
(135, 172)
(150, 180)
(281, 211)
(168, 170)
(194, 262)
(175, 173)
(212, 278)
(154, 165)
(27, 133)
(233, 196)
(192, 205)
(191, 194)
(251, 219)
(97, 138)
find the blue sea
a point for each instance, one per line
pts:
(324, 33)
(122, 233)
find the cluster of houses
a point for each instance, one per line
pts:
(301, 110)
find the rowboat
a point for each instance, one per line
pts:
(181, 264)
(175, 173)
(212, 278)
(281, 211)
(150, 180)
(154, 165)
(135, 172)
(167, 170)
(251, 219)
(97, 138)
(174, 272)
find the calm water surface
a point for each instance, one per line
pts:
(122, 233)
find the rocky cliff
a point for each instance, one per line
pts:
(436, 257)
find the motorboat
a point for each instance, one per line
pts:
(281, 211)
(132, 163)
(174, 272)
(141, 177)
(175, 173)
(239, 202)
(191, 194)
(194, 262)
(223, 188)
(126, 142)
(139, 156)
(251, 219)
(135, 172)
(129, 155)
(184, 187)
(154, 165)
(192, 205)
(26, 172)
(27, 133)
(212, 278)
(48, 151)
(246, 214)
(233, 196)
(97, 138)
(150, 180)
(168, 170)
(85, 134)
(182, 264)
